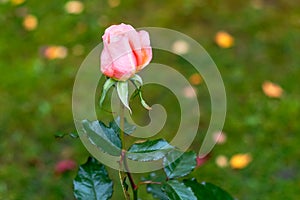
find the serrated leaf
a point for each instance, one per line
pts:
(149, 150)
(128, 128)
(207, 190)
(107, 85)
(155, 189)
(177, 165)
(92, 182)
(176, 190)
(122, 89)
(157, 192)
(105, 138)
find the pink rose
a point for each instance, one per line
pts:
(125, 51)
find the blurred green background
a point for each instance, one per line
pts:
(42, 44)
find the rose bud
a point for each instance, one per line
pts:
(125, 51)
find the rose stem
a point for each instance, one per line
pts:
(123, 156)
(132, 184)
(122, 153)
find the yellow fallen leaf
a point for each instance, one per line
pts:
(55, 52)
(61, 52)
(114, 3)
(272, 90)
(240, 161)
(17, 2)
(224, 39)
(74, 7)
(195, 79)
(30, 22)
(221, 161)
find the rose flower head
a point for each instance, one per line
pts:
(125, 51)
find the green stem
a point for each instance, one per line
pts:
(135, 195)
(131, 181)
(148, 182)
(123, 155)
(123, 143)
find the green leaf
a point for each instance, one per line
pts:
(155, 189)
(178, 191)
(149, 150)
(207, 190)
(177, 165)
(92, 182)
(107, 85)
(144, 104)
(138, 82)
(105, 138)
(134, 94)
(136, 79)
(74, 135)
(125, 184)
(122, 89)
(128, 128)
(157, 192)
(62, 135)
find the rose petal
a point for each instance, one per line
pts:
(115, 30)
(64, 165)
(146, 54)
(136, 45)
(123, 60)
(195, 79)
(106, 62)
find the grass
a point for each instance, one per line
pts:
(36, 92)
